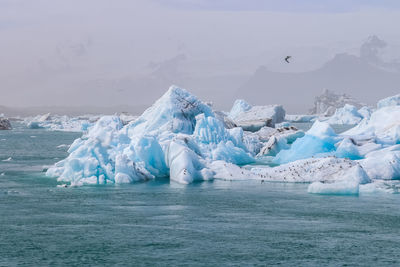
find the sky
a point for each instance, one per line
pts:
(119, 52)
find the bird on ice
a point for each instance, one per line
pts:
(287, 59)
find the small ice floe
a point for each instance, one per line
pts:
(33, 136)
(3, 139)
(2, 174)
(9, 159)
(62, 185)
(62, 146)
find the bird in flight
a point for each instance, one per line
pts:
(287, 59)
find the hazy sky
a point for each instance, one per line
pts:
(112, 52)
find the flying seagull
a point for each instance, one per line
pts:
(287, 59)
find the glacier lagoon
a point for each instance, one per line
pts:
(204, 223)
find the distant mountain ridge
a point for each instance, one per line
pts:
(344, 73)
(358, 76)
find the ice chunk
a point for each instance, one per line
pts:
(346, 115)
(346, 183)
(91, 156)
(365, 112)
(384, 124)
(338, 188)
(348, 149)
(225, 119)
(379, 186)
(273, 146)
(253, 118)
(59, 123)
(300, 118)
(383, 164)
(240, 106)
(321, 138)
(389, 101)
(261, 116)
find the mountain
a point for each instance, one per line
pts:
(345, 73)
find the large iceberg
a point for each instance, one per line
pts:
(183, 139)
(177, 137)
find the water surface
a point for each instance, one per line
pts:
(160, 223)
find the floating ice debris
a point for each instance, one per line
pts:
(9, 159)
(63, 145)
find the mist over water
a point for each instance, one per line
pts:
(79, 55)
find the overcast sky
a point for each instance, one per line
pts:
(98, 52)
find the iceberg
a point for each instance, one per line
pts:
(383, 125)
(177, 137)
(253, 118)
(365, 112)
(318, 141)
(300, 118)
(347, 183)
(389, 101)
(275, 140)
(240, 106)
(383, 164)
(347, 148)
(60, 123)
(182, 139)
(346, 115)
